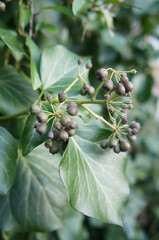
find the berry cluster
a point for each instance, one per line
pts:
(117, 100)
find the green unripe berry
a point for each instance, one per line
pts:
(89, 65)
(42, 117)
(104, 143)
(62, 96)
(71, 132)
(54, 148)
(48, 143)
(101, 74)
(91, 90)
(41, 128)
(108, 85)
(120, 89)
(63, 135)
(35, 109)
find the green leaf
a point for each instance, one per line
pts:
(35, 63)
(77, 6)
(59, 68)
(10, 38)
(61, 9)
(15, 93)
(8, 156)
(95, 180)
(50, 27)
(25, 14)
(37, 200)
(30, 138)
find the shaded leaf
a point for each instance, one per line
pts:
(95, 180)
(8, 156)
(77, 6)
(47, 26)
(61, 9)
(35, 63)
(15, 93)
(37, 201)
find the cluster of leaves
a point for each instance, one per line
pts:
(37, 199)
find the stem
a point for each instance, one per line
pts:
(85, 101)
(31, 19)
(7, 117)
(97, 90)
(72, 84)
(98, 117)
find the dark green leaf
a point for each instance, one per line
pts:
(35, 63)
(30, 138)
(59, 68)
(15, 93)
(61, 9)
(10, 38)
(47, 26)
(8, 156)
(25, 14)
(37, 201)
(95, 180)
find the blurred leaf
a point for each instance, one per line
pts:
(77, 6)
(10, 38)
(47, 26)
(95, 180)
(37, 201)
(8, 156)
(25, 14)
(15, 93)
(61, 9)
(59, 68)
(35, 63)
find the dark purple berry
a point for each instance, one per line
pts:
(117, 149)
(120, 89)
(41, 128)
(113, 142)
(89, 65)
(35, 109)
(135, 124)
(57, 125)
(48, 143)
(79, 61)
(42, 117)
(101, 74)
(83, 92)
(128, 86)
(63, 135)
(62, 96)
(65, 121)
(50, 135)
(104, 143)
(54, 149)
(72, 109)
(56, 134)
(135, 131)
(108, 85)
(49, 98)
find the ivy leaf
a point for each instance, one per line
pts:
(77, 6)
(8, 156)
(16, 93)
(59, 68)
(10, 38)
(30, 138)
(35, 63)
(95, 180)
(61, 9)
(37, 200)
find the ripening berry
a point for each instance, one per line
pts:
(83, 92)
(101, 74)
(57, 125)
(2, 6)
(65, 121)
(131, 138)
(64, 145)
(107, 97)
(104, 143)
(48, 143)
(91, 90)
(71, 132)
(135, 124)
(74, 124)
(108, 85)
(123, 77)
(135, 131)
(117, 149)
(42, 117)
(62, 96)
(113, 143)
(111, 110)
(124, 146)
(89, 65)
(120, 89)
(128, 86)
(50, 135)
(85, 87)
(63, 135)
(35, 109)
(36, 124)
(49, 98)
(41, 128)
(72, 109)
(54, 148)
(79, 61)
(124, 120)
(56, 134)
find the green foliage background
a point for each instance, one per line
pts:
(132, 41)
